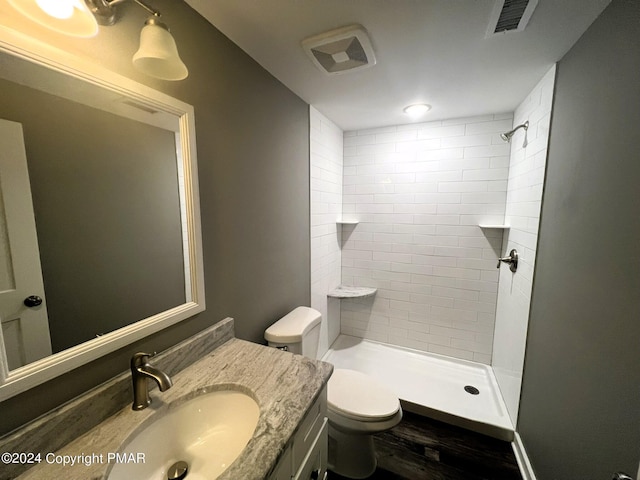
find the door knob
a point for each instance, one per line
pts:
(621, 476)
(32, 301)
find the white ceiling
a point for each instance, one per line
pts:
(428, 51)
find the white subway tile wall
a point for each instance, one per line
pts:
(326, 145)
(524, 197)
(419, 192)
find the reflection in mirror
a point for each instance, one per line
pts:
(98, 213)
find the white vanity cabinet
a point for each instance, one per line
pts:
(305, 457)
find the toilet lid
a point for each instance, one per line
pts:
(359, 396)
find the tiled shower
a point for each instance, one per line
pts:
(419, 193)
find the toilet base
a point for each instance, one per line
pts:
(351, 455)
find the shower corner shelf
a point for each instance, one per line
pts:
(496, 226)
(344, 291)
(343, 221)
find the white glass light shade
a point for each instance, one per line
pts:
(158, 54)
(69, 17)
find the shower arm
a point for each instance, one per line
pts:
(507, 136)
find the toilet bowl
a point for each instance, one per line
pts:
(358, 405)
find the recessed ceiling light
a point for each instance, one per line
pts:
(417, 110)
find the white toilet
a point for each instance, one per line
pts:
(358, 405)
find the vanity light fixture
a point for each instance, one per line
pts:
(69, 17)
(417, 110)
(157, 55)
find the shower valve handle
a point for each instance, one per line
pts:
(512, 260)
(504, 260)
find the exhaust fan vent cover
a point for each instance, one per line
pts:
(510, 16)
(341, 51)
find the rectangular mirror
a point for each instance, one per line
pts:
(100, 241)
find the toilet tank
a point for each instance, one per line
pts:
(298, 331)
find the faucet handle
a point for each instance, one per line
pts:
(143, 354)
(140, 358)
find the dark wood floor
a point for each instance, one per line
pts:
(423, 449)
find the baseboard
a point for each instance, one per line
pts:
(521, 457)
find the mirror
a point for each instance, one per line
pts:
(99, 218)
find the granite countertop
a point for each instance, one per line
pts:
(284, 386)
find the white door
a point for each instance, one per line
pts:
(25, 330)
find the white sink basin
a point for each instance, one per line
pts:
(207, 432)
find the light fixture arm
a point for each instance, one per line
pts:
(152, 11)
(105, 11)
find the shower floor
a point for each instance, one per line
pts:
(430, 384)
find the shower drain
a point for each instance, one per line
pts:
(471, 389)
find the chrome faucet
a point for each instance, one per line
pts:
(141, 370)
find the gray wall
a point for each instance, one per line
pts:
(109, 232)
(580, 406)
(253, 161)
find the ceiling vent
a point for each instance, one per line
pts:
(339, 51)
(510, 16)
